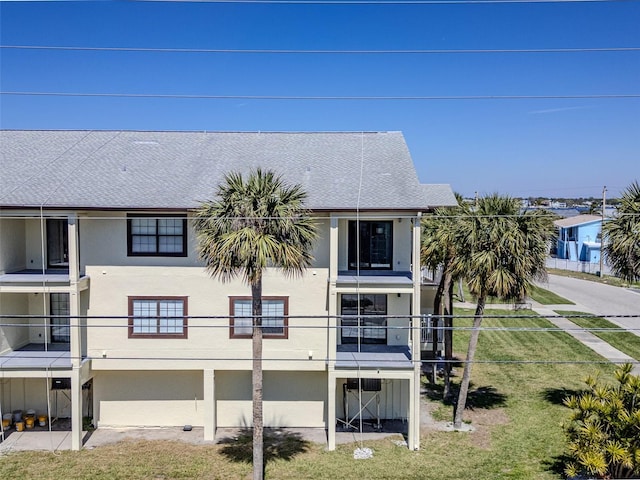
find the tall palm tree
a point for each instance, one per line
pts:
(505, 250)
(622, 236)
(251, 225)
(438, 249)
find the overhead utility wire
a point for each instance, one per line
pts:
(320, 97)
(325, 317)
(181, 216)
(320, 359)
(383, 2)
(318, 51)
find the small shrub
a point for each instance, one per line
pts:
(603, 431)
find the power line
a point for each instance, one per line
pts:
(381, 2)
(320, 359)
(319, 51)
(322, 97)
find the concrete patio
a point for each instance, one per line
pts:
(43, 440)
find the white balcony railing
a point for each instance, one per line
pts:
(427, 332)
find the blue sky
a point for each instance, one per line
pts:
(534, 147)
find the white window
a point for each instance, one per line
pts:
(274, 317)
(158, 317)
(156, 235)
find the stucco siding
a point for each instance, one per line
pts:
(13, 337)
(12, 240)
(208, 344)
(34, 236)
(38, 306)
(399, 328)
(291, 399)
(103, 241)
(175, 398)
(151, 398)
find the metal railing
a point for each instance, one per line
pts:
(427, 330)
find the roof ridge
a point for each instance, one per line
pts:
(296, 132)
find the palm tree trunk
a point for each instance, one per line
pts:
(256, 337)
(437, 310)
(471, 352)
(448, 335)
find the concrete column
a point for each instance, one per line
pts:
(333, 250)
(74, 293)
(74, 252)
(209, 404)
(332, 334)
(414, 383)
(415, 300)
(76, 409)
(331, 412)
(416, 411)
(411, 433)
(75, 326)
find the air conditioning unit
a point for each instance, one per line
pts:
(368, 384)
(63, 383)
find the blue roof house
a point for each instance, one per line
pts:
(579, 238)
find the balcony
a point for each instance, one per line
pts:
(37, 357)
(36, 280)
(352, 278)
(373, 356)
(427, 333)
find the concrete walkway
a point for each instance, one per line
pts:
(596, 344)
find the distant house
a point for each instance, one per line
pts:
(579, 238)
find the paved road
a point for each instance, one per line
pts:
(599, 299)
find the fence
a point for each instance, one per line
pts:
(584, 267)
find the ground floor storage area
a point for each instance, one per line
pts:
(209, 398)
(222, 399)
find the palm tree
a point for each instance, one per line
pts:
(504, 251)
(621, 236)
(438, 250)
(250, 226)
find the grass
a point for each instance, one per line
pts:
(515, 407)
(623, 340)
(546, 297)
(540, 295)
(530, 444)
(606, 279)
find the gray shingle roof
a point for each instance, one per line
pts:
(578, 220)
(177, 170)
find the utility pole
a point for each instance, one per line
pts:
(604, 200)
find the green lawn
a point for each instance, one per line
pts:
(516, 408)
(540, 295)
(592, 277)
(624, 341)
(546, 297)
(529, 395)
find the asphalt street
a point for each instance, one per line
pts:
(599, 299)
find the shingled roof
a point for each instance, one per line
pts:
(577, 220)
(177, 170)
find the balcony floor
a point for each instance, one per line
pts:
(34, 357)
(35, 276)
(373, 356)
(349, 277)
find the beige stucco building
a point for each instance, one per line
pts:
(106, 311)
